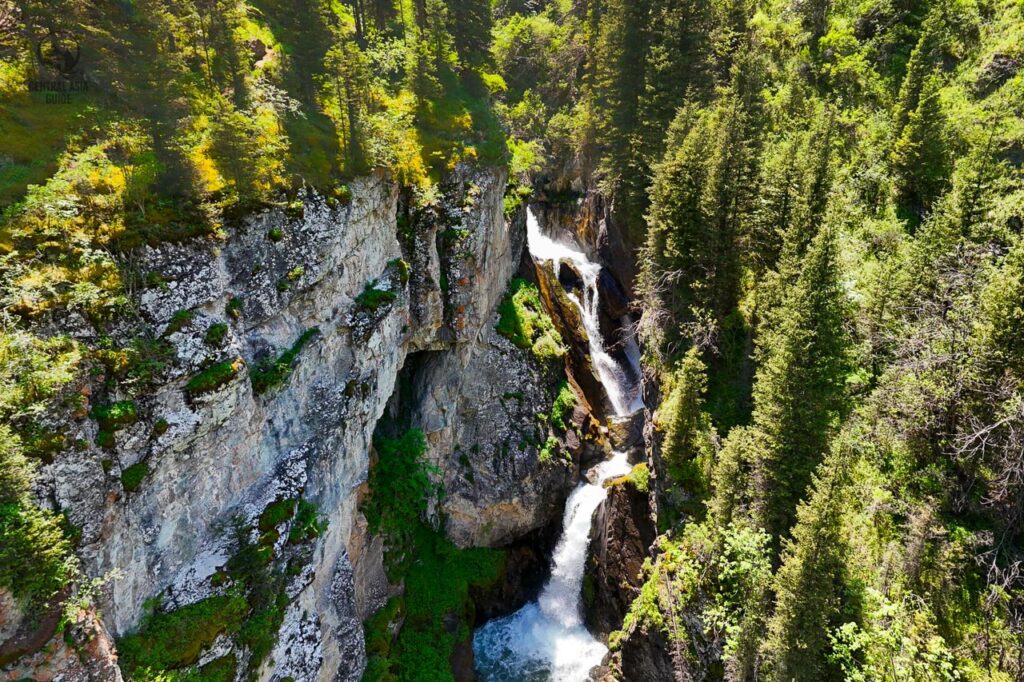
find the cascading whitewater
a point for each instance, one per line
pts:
(619, 382)
(546, 639)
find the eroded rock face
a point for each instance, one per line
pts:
(479, 408)
(621, 535)
(325, 284)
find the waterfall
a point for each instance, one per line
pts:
(546, 639)
(621, 383)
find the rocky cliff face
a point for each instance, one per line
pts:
(621, 535)
(316, 310)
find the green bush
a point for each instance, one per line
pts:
(132, 477)
(270, 373)
(308, 524)
(373, 299)
(167, 641)
(215, 334)
(275, 234)
(35, 559)
(114, 416)
(179, 321)
(276, 513)
(214, 377)
(233, 309)
(523, 321)
(105, 439)
(563, 406)
(549, 450)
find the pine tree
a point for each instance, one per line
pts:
(809, 584)
(920, 158)
(470, 26)
(794, 193)
(798, 392)
(921, 64)
(673, 262)
(727, 198)
(1002, 323)
(619, 85)
(687, 446)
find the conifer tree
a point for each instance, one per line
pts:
(673, 266)
(798, 392)
(687, 427)
(1002, 309)
(809, 584)
(470, 26)
(619, 85)
(921, 64)
(920, 158)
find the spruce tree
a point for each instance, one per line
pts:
(921, 64)
(470, 26)
(920, 158)
(687, 427)
(674, 262)
(809, 585)
(799, 389)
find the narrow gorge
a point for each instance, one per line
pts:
(511, 341)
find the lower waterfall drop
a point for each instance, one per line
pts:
(546, 640)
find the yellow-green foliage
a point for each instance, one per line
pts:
(524, 322)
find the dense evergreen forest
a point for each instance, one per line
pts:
(826, 205)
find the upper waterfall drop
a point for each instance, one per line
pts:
(621, 383)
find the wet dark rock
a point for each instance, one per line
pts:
(621, 533)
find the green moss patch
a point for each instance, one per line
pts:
(216, 334)
(563, 406)
(270, 373)
(373, 299)
(114, 416)
(523, 321)
(167, 641)
(276, 513)
(132, 477)
(214, 377)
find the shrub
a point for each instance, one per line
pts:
(34, 553)
(234, 308)
(522, 321)
(308, 524)
(105, 439)
(562, 408)
(273, 372)
(179, 320)
(549, 450)
(275, 234)
(276, 513)
(166, 641)
(160, 427)
(215, 334)
(214, 377)
(132, 477)
(373, 299)
(114, 416)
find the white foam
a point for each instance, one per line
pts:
(621, 383)
(546, 639)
